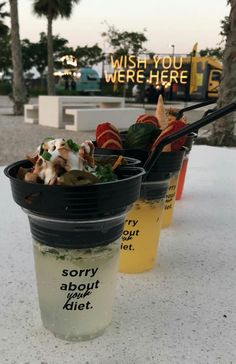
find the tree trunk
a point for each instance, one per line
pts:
(42, 83)
(19, 90)
(50, 76)
(223, 129)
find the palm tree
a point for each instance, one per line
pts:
(52, 9)
(19, 90)
(5, 60)
(3, 28)
(223, 129)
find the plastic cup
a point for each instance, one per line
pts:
(140, 242)
(172, 162)
(141, 233)
(76, 234)
(169, 165)
(182, 175)
(76, 286)
(183, 170)
(170, 200)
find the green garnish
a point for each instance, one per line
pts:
(41, 149)
(72, 145)
(105, 173)
(42, 144)
(46, 155)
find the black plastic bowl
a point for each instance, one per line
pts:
(76, 202)
(136, 154)
(168, 162)
(100, 154)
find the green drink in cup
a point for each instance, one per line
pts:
(76, 222)
(76, 285)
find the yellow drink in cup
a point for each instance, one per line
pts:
(141, 232)
(170, 201)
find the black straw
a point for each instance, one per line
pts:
(193, 107)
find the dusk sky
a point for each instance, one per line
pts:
(181, 22)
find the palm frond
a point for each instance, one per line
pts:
(56, 8)
(3, 29)
(3, 14)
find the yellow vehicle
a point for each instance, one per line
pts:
(194, 77)
(205, 76)
(214, 78)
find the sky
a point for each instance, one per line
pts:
(181, 23)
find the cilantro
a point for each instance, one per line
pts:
(47, 156)
(72, 145)
(105, 173)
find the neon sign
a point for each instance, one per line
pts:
(132, 69)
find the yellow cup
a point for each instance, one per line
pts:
(142, 227)
(170, 201)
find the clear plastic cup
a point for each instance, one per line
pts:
(141, 232)
(170, 200)
(76, 287)
(168, 163)
(181, 180)
(76, 233)
(188, 146)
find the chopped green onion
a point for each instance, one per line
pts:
(72, 145)
(47, 156)
(41, 149)
(42, 144)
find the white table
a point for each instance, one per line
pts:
(51, 107)
(182, 312)
(88, 119)
(31, 113)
